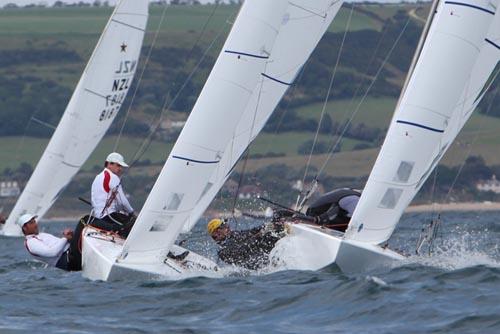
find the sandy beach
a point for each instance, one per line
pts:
(465, 206)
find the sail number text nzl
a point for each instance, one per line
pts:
(118, 90)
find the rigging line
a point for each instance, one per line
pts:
(433, 192)
(363, 79)
(148, 57)
(240, 181)
(348, 123)
(39, 121)
(166, 106)
(20, 144)
(448, 195)
(204, 28)
(256, 109)
(293, 92)
(327, 97)
(368, 66)
(286, 109)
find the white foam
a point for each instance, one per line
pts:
(377, 280)
(461, 249)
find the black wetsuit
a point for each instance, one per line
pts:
(250, 249)
(328, 211)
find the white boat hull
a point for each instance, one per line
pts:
(308, 247)
(100, 253)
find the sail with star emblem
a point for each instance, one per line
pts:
(91, 110)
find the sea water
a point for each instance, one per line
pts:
(455, 290)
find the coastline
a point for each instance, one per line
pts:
(448, 207)
(460, 207)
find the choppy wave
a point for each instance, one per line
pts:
(454, 290)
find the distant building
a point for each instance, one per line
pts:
(489, 185)
(9, 189)
(169, 124)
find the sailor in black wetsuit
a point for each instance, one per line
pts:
(334, 209)
(248, 249)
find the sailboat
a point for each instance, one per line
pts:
(454, 66)
(269, 43)
(92, 108)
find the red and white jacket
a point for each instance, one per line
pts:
(46, 247)
(108, 196)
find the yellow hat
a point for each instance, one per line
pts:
(213, 225)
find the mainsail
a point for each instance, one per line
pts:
(247, 81)
(459, 55)
(91, 110)
(305, 21)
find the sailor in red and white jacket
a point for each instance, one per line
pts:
(107, 194)
(46, 247)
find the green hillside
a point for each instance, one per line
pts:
(44, 50)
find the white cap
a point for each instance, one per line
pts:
(116, 158)
(25, 218)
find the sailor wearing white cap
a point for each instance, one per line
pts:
(108, 199)
(46, 247)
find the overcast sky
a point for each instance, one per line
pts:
(50, 2)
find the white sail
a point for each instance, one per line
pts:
(93, 106)
(203, 140)
(483, 74)
(429, 115)
(304, 21)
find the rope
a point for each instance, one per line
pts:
(327, 97)
(332, 150)
(148, 57)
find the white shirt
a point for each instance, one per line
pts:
(107, 188)
(46, 247)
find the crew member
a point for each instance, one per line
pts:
(2, 220)
(62, 253)
(335, 209)
(109, 202)
(248, 249)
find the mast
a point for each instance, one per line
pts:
(420, 45)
